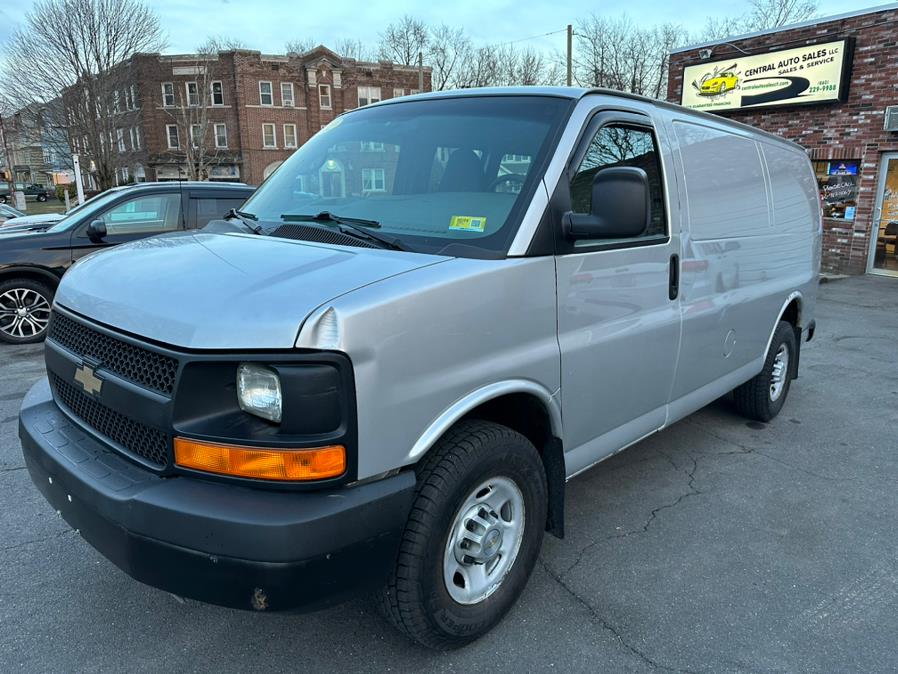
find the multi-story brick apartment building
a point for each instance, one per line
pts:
(827, 84)
(37, 145)
(251, 109)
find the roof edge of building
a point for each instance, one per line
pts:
(792, 26)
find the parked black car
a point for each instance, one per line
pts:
(32, 192)
(32, 261)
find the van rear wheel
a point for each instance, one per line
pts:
(762, 397)
(472, 537)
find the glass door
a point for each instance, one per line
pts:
(883, 258)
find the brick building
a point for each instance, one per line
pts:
(825, 84)
(248, 111)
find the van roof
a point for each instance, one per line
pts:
(576, 93)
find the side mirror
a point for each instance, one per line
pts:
(621, 206)
(96, 231)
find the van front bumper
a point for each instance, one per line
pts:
(213, 541)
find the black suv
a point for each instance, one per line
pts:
(33, 259)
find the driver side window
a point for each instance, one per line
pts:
(145, 215)
(622, 145)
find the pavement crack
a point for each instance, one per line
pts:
(594, 613)
(11, 470)
(58, 534)
(692, 491)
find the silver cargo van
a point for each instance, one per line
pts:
(384, 369)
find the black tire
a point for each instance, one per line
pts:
(30, 285)
(41, 197)
(416, 599)
(3, 198)
(753, 399)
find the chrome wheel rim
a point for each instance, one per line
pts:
(484, 540)
(780, 372)
(23, 313)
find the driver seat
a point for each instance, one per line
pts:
(464, 173)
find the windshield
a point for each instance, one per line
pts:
(434, 173)
(89, 207)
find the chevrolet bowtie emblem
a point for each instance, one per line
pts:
(86, 376)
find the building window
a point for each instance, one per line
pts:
(324, 96)
(837, 182)
(289, 135)
(120, 139)
(370, 146)
(168, 94)
(115, 107)
(398, 92)
(221, 136)
(412, 92)
(132, 132)
(217, 94)
(133, 97)
(193, 95)
(368, 95)
(373, 180)
(287, 94)
(269, 140)
(265, 95)
(172, 134)
(196, 135)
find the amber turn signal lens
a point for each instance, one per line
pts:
(261, 463)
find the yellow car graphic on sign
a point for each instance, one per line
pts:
(719, 84)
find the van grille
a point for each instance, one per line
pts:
(137, 438)
(151, 370)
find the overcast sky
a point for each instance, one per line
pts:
(267, 24)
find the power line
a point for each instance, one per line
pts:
(532, 37)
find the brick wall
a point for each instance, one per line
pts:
(849, 130)
(242, 111)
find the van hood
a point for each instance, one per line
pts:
(222, 291)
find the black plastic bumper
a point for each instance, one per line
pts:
(215, 542)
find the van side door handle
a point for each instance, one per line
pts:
(673, 288)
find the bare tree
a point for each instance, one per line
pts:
(80, 48)
(196, 131)
(300, 45)
(349, 48)
(401, 42)
(766, 14)
(448, 50)
(618, 54)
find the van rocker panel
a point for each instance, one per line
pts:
(240, 547)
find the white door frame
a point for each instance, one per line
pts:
(884, 159)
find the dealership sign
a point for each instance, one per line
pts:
(812, 74)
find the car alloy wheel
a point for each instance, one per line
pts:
(24, 313)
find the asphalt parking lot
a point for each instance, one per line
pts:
(715, 546)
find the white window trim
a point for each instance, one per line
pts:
(372, 172)
(271, 88)
(172, 104)
(368, 90)
(187, 93)
(292, 95)
(139, 145)
(120, 140)
(168, 128)
(193, 141)
(212, 92)
(295, 140)
(274, 132)
(330, 97)
(225, 127)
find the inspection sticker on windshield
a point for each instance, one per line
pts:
(467, 223)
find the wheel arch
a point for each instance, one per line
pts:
(791, 313)
(34, 273)
(523, 406)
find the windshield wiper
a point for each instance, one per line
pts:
(246, 219)
(357, 227)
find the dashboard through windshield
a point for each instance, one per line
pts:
(451, 176)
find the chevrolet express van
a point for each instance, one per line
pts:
(382, 371)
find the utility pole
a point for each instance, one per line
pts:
(570, 54)
(420, 72)
(79, 186)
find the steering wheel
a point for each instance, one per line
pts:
(507, 178)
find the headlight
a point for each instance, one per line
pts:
(259, 391)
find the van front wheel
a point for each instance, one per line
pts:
(762, 397)
(472, 537)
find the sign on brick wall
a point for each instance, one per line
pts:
(812, 74)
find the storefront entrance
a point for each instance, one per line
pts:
(883, 258)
